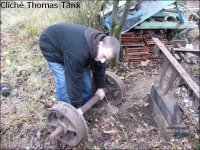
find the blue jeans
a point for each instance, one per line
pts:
(61, 88)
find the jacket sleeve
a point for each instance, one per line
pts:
(98, 70)
(74, 73)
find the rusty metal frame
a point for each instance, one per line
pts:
(177, 72)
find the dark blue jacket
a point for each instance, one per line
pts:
(66, 43)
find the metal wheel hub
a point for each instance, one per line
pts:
(65, 115)
(116, 89)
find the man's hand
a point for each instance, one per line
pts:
(100, 92)
(80, 111)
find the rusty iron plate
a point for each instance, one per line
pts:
(65, 115)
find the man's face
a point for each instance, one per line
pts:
(103, 53)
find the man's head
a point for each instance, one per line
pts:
(108, 49)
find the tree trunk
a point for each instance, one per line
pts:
(117, 26)
(114, 61)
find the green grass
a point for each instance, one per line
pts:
(20, 33)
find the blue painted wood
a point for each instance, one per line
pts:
(147, 9)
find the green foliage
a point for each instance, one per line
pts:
(90, 139)
(124, 75)
(111, 69)
(86, 15)
(37, 61)
(116, 27)
(31, 30)
(196, 70)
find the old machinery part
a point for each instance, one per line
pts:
(65, 123)
(5, 89)
(179, 43)
(165, 25)
(192, 85)
(194, 17)
(179, 35)
(165, 107)
(169, 18)
(166, 113)
(178, 72)
(190, 56)
(116, 88)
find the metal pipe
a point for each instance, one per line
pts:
(92, 101)
(54, 134)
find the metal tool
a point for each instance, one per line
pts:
(65, 123)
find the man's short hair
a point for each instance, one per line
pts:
(113, 43)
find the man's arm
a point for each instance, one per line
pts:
(98, 70)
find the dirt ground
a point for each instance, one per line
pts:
(130, 125)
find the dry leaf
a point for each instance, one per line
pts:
(138, 130)
(145, 124)
(8, 62)
(146, 104)
(122, 78)
(133, 115)
(110, 132)
(155, 144)
(38, 134)
(145, 63)
(5, 128)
